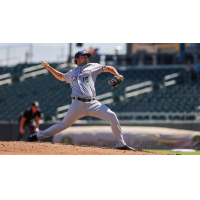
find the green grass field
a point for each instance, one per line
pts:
(169, 152)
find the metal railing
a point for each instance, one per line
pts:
(170, 116)
(170, 79)
(104, 96)
(63, 110)
(138, 89)
(5, 79)
(33, 71)
(146, 117)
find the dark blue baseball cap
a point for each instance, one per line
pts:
(82, 53)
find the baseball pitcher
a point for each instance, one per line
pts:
(82, 81)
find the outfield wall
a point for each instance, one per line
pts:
(137, 137)
(9, 131)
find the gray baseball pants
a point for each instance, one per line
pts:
(79, 109)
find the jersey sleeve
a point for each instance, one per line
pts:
(99, 68)
(26, 114)
(67, 77)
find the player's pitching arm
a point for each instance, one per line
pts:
(112, 70)
(56, 73)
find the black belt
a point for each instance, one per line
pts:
(84, 100)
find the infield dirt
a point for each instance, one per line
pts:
(47, 148)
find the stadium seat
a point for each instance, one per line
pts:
(52, 93)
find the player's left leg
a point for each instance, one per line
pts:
(99, 110)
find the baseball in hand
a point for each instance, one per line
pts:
(44, 63)
(36, 130)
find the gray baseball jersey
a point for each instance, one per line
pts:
(82, 80)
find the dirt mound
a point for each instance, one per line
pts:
(47, 148)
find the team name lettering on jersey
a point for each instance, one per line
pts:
(84, 72)
(74, 78)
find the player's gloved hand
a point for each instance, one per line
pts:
(45, 64)
(21, 130)
(116, 80)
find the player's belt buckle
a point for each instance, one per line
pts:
(84, 100)
(80, 99)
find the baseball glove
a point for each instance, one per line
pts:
(115, 81)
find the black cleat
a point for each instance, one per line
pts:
(126, 147)
(32, 138)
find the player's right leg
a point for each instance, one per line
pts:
(76, 111)
(99, 110)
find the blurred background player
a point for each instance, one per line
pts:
(95, 56)
(28, 117)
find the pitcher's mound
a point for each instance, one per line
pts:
(47, 148)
